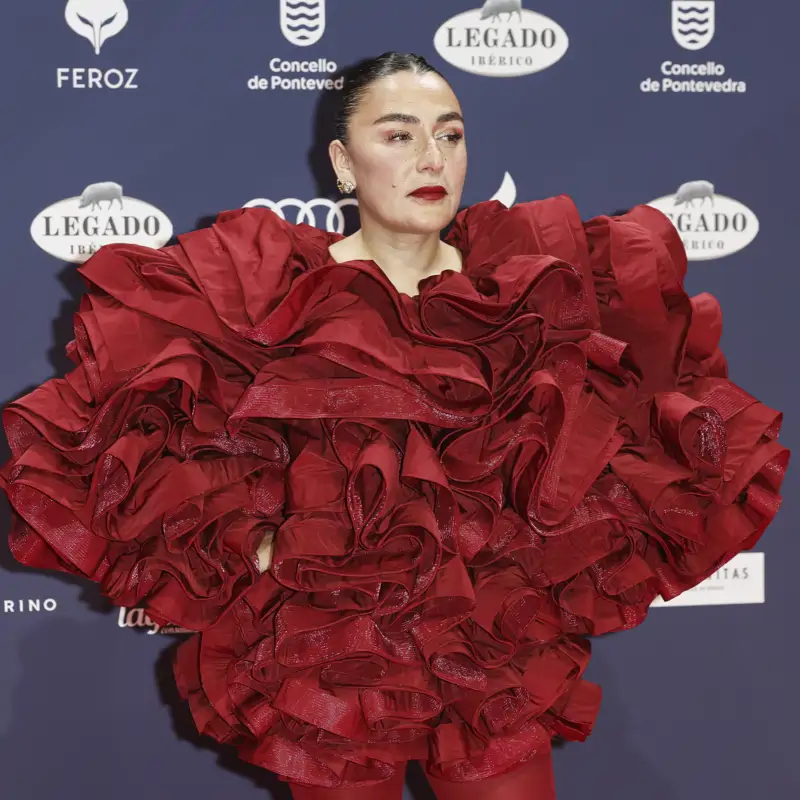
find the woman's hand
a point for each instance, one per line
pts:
(264, 552)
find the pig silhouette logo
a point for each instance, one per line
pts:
(501, 39)
(302, 21)
(694, 190)
(96, 193)
(693, 23)
(96, 20)
(75, 228)
(492, 9)
(711, 225)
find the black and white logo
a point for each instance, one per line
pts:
(97, 21)
(502, 39)
(76, 228)
(693, 23)
(302, 24)
(711, 225)
(693, 27)
(331, 214)
(302, 21)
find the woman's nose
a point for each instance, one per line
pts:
(431, 157)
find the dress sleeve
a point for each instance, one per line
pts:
(124, 471)
(696, 476)
(650, 468)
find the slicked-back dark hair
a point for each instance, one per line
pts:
(358, 79)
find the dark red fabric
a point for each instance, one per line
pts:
(533, 780)
(464, 484)
(391, 789)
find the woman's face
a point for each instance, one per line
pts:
(406, 134)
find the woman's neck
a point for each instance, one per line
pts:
(405, 258)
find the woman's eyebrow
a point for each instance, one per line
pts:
(410, 119)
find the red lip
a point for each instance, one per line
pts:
(429, 192)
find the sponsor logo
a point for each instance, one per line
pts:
(306, 211)
(739, 582)
(139, 618)
(693, 23)
(330, 213)
(710, 225)
(283, 72)
(502, 39)
(30, 605)
(507, 193)
(693, 29)
(302, 21)
(97, 21)
(76, 228)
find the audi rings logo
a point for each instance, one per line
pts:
(321, 211)
(329, 211)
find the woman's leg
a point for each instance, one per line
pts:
(533, 780)
(387, 790)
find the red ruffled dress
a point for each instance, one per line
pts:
(464, 484)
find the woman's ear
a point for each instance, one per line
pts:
(340, 159)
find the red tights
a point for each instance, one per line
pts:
(531, 781)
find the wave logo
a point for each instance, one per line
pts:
(693, 23)
(711, 225)
(96, 20)
(333, 216)
(302, 21)
(76, 228)
(501, 39)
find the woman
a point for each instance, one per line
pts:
(395, 481)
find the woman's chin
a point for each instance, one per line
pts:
(428, 220)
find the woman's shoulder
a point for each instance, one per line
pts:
(260, 225)
(489, 231)
(554, 225)
(233, 270)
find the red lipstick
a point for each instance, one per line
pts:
(429, 193)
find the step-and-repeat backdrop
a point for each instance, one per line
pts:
(137, 120)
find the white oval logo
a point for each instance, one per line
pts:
(710, 225)
(76, 228)
(501, 40)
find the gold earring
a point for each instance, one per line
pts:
(345, 187)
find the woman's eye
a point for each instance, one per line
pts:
(452, 137)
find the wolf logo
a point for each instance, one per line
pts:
(693, 23)
(303, 21)
(96, 20)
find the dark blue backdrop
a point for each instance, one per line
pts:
(150, 117)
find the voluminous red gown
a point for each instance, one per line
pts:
(464, 484)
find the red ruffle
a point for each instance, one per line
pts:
(463, 485)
